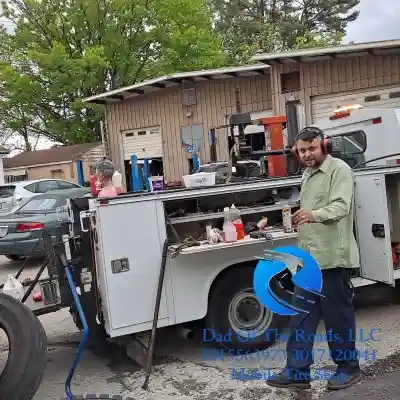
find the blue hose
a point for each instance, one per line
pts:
(82, 343)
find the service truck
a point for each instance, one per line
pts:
(128, 265)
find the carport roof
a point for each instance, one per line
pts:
(384, 47)
(174, 80)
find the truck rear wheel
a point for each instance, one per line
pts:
(27, 356)
(236, 318)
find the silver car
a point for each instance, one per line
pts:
(14, 195)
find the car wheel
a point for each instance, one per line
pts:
(236, 315)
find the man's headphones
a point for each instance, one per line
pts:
(311, 133)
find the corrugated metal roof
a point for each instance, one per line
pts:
(174, 80)
(344, 51)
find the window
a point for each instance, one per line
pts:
(355, 142)
(67, 185)
(15, 178)
(7, 191)
(46, 186)
(290, 82)
(31, 188)
(192, 137)
(38, 205)
(189, 97)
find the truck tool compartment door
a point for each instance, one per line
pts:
(372, 221)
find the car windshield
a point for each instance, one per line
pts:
(7, 191)
(41, 205)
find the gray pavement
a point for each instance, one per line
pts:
(181, 372)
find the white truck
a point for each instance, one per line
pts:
(215, 281)
(115, 246)
(380, 125)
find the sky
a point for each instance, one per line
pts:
(378, 20)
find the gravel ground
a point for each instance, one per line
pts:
(181, 372)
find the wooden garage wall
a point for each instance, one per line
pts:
(334, 76)
(215, 101)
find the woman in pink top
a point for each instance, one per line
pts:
(105, 171)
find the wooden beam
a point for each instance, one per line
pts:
(260, 72)
(136, 91)
(99, 101)
(294, 59)
(158, 85)
(232, 74)
(116, 96)
(180, 80)
(175, 80)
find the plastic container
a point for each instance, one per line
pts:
(156, 183)
(117, 179)
(287, 219)
(199, 179)
(13, 287)
(230, 234)
(237, 222)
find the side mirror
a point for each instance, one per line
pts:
(18, 197)
(351, 143)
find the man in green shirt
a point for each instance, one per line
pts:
(325, 229)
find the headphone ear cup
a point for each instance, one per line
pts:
(327, 146)
(295, 152)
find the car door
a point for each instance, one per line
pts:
(373, 230)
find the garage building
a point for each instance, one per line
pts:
(167, 118)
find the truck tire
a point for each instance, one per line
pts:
(230, 297)
(27, 355)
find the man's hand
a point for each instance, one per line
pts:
(301, 217)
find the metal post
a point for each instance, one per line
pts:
(146, 170)
(292, 120)
(136, 186)
(213, 147)
(79, 168)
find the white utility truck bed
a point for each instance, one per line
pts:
(213, 280)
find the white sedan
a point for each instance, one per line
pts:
(14, 195)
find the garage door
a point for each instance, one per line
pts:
(142, 143)
(383, 97)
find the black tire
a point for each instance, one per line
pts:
(13, 257)
(27, 355)
(221, 299)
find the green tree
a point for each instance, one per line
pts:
(61, 52)
(248, 26)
